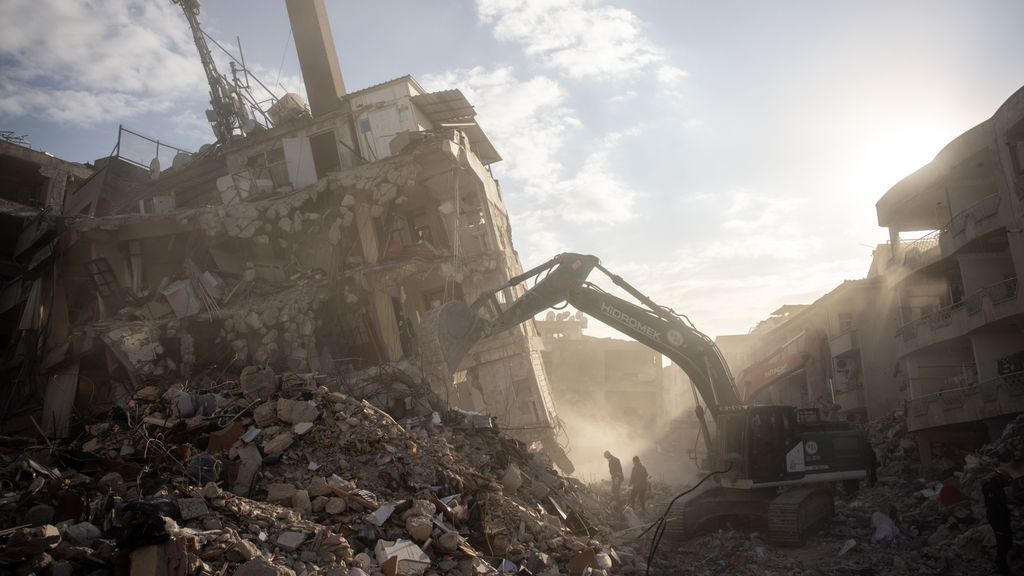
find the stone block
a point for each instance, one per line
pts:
(278, 443)
(192, 508)
(290, 540)
(295, 411)
(280, 492)
(257, 383)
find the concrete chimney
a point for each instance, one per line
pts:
(317, 56)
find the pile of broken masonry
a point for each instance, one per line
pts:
(292, 474)
(904, 525)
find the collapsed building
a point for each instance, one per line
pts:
(310, 243)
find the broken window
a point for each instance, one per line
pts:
(278, 166)
(421, 228)
(845, 322)
(325, 153)
(105, 280)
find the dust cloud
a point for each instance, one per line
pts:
(591, 431)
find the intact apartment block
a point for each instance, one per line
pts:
(311, 244)
(955, 254)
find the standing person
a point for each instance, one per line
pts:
(638, 481)
(615, 469)
(1003, 489)
(998, 514)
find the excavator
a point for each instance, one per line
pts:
(774, 466)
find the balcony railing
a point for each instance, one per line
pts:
(983, 209)
(997, 293)
(1012, 383)
(921, 250)
(987, 390)
(926, 249)
(936, 319)
(966, 377)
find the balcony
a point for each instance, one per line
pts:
(972, 401)
(845, 344)
(976, 220)
(922, 251)
(972, 222)
(986, 305)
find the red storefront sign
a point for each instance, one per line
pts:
(784, 361)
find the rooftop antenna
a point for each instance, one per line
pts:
(228, 111)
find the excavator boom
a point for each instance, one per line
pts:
(563, 279)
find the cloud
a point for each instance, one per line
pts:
(668, 74)
(578, 38)
(529, 122)
(596, 193)
(751, 211)
(84, 62)
(755, 258)
(623, 97)
(193, 129)
(726, 286)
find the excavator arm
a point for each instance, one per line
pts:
(456, 327)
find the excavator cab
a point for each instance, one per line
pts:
(774, 446)
(757, 439)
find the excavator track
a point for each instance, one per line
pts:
(790, 517)
(795, 513)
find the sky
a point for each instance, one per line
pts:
(724, 157)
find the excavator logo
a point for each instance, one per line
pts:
(675, 338)
(633, 323)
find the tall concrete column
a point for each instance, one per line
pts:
(387, 324)
(367, 230)
(318, 58)
(55, 191)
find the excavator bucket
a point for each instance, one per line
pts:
(445, 336)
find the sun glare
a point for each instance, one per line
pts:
(889, 155)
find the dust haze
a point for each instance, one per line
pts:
(595, 427)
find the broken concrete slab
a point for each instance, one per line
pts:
(258, 383)
(296, 411)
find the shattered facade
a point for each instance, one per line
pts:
(32, 188)
(954, 257)
(312, 246)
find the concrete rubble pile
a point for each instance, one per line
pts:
(904, 525)
(292, 474)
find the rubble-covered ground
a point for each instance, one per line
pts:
(294, 474)
(901, 526)
(283, 474)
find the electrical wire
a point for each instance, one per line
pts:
(284, 51)
(659, 524)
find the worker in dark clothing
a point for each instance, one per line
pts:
(997, 511)
(638, 482)
(615, 469)
(1003, 489)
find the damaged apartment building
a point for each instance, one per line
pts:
(953, 260)
(311, 244)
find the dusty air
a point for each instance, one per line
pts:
(548, 288)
